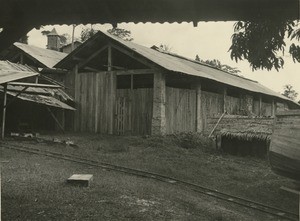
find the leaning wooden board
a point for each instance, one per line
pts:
(284, 153)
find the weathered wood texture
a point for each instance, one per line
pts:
(232, 105)
(238, 122)
(134, 111)
(159, 101)
(246, 107)
(180, 110)
(285, 145)
(95, 99)
(212, 105)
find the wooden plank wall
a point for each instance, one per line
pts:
(212, 105)
(266, 109)
(95, 102)
(180, 110)
(233, 105)
(134, 115)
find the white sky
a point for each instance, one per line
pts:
(210, 40)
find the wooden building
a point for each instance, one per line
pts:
(30, 106)
(32, 55)
(124, 88)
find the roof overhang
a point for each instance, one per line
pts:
(17, 17)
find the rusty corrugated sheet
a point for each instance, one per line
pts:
(11, 72)
(45, 56)
(42, 99)
(45, 96)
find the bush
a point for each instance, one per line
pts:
(190, 140)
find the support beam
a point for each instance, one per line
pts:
(109, 59)
(15, 97)
(4, 111)
(24, 84)
(260, 105)
(22, 58)
(112, 90)
(137, 57)
(83, 63)
(136, 71)
(57, 122)
(199, 121)
(76, 93)
(159, 102)
(273, 108)
(224, 99)
(112, 101)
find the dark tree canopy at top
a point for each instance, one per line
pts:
(261, 42)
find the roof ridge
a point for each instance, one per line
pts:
(33, 46)
(198, 62)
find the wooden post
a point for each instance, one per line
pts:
(273, 108)
(76, 93)
(260, 106)
(56, 120)
(21, 58)
(199, 121)
(224, 99)
(109, 59)
(4, 111)
(158, 126)
(112, 91)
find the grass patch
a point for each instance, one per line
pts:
(189, 157)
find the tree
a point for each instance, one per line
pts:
(121, 33)
(217, 64)
(65, 38)
(165, 48)
(260, 42)
(24, 39)
(87, 33)
(289, 92)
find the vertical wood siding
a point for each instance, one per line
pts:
(95, 102)
(233, 105)
(180, 110)
(212, 105)
(134, 111)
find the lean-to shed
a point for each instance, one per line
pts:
(124, 88)
(31, 105)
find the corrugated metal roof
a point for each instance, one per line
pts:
(46, 12)
(11, 72)
(45, 96)
(42, 99)
(45, 56)
(176, 63)
(17, 17)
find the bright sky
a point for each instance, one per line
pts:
(210, 40)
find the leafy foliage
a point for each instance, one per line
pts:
(260, 42)
(165, 47)
(289, 92)
(121, 33)
(191, 140)
(87, 33)
(217, 64)
(24, 39)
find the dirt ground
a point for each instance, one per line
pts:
(34, 188)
